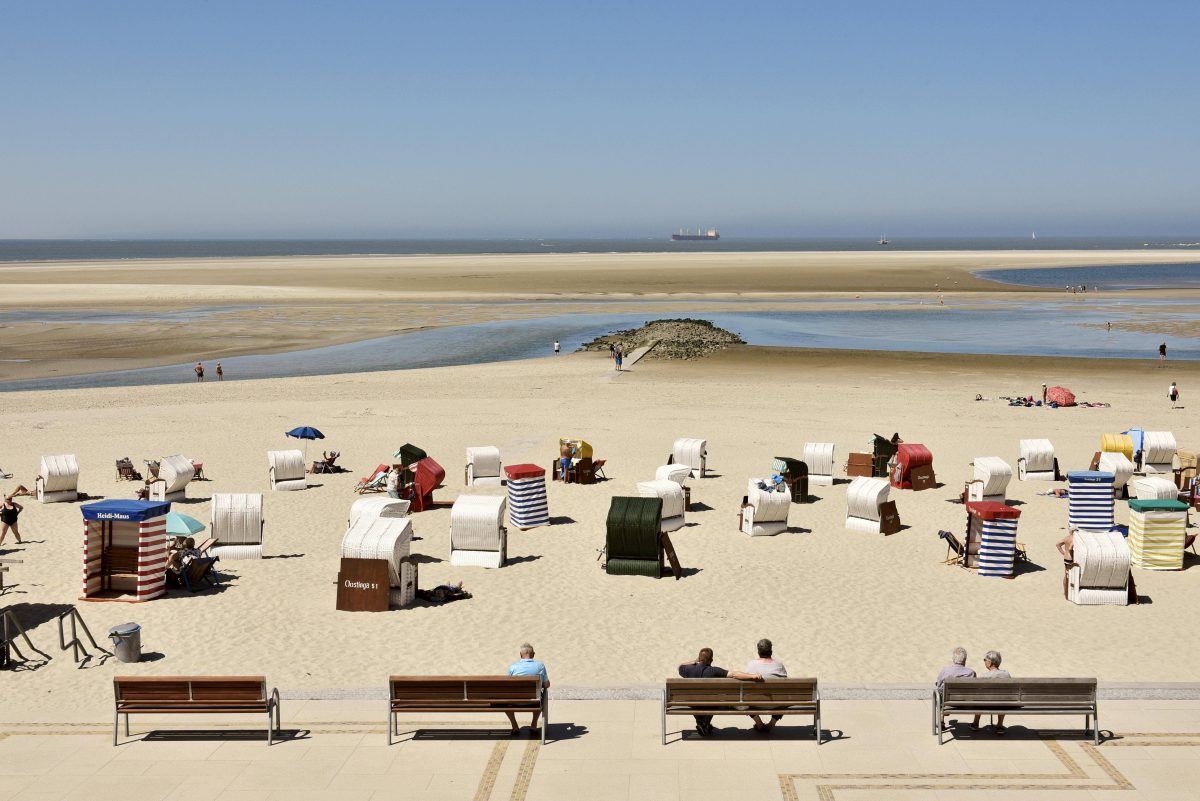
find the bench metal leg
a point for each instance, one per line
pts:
(117, 723)
(126, 725)
(545, 716)
(390, 723)
(818, 725)
(664, 719)
(270, 728)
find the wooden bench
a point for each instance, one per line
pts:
(736, 697)
(470, 694)
(169, 695)
(1016, 697)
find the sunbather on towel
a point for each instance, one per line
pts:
(527, 666)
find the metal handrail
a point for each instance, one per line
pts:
(75, 645)
(7, 619)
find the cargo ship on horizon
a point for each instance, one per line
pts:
(685, 235)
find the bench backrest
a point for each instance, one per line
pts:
(180, 690)
(722, 691)
(451, 689)
(1020, 692)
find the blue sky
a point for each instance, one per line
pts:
(360, 119)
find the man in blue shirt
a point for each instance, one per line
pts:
(527, 666)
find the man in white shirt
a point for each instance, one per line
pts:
(769, 668)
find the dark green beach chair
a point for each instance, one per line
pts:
(634, 544)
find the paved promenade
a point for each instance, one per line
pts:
(608, 751)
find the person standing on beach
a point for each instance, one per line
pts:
(1162, 354)
(1173, 393)
(220, 372)
(9, 510)
(618, 356)
(199, 371)
(556, 347)
(1044, 391)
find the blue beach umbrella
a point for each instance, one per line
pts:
(180, 525)
(305, 433)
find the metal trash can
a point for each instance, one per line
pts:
(127, 642)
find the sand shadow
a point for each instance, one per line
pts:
(1023, 566)
(218, 735)
(287, 555)
(516, 560)
(797, 530)
(425, 559)
(735, 733)
(555, 732)
(700, 506)
(961, 730)
(562, 520)
(686, 572)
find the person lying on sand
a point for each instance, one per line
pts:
(1058, 492)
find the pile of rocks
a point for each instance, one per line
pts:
(677, 339)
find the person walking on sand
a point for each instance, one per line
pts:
(9, 510)
(618, 356)
(556, 347)
(199, 369)
(1162, 355)
(1173, 393)
(220, 372)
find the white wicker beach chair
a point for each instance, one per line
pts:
(992, 475)
(174, 473)
(57, 479)
(864, 496)
(483, 466)
(1158, 452)
(766, 511)
(1153, 488)
(376, 506)
(478, 536)
(691, 452)
(819, 458)
(1036, 462)
(1101, 571)
(679, 473)
(287, 470)
(673, 501)
(387, 538)
(237, 525)
(1120, 467)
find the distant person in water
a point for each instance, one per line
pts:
(199, 369)
(220, 372)
(556, 347)
(1162, 354)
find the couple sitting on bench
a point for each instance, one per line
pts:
(764, 667)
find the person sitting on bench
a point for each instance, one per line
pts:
(957, 669)
(767, 667)
(703, 668)
(527, 666)
(991, 664)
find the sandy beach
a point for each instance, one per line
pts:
(282, 304)
(845, 606)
